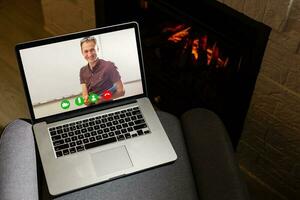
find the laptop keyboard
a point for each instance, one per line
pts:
(85, 134)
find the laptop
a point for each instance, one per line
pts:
(92, 119)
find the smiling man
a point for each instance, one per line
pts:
(98, 76)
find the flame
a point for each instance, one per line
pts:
(177, 37)
(209, 55)
(195, 47)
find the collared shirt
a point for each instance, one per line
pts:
(102, 77)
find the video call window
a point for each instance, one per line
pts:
(82, 72)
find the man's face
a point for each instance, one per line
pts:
(89, 51)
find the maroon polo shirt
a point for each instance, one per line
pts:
(101, 77)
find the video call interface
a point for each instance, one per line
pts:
(82, 72)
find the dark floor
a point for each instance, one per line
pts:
(258, 190)
(23, 21)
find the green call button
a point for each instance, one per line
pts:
(65, 104)
(93, 98)
(79, 101)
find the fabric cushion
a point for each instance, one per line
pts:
(18, 177)
(215, 168)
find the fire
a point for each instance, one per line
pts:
(195, 47)
(178, 36)
(211, 55)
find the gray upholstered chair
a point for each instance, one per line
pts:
(206, 168)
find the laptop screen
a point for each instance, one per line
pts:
(82, 70)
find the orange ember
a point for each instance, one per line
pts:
(177, 37)
(195, 47)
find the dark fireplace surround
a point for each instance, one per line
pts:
(202, 54)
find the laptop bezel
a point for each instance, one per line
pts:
(66, 37)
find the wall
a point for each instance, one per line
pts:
(269, 149)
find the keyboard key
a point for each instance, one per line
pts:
(85, 140)
(98, 137)
(67, 140)
(74, 138)
(59, 131)
(140, 132)
(139, 121)
(80, 137)
(71, 134)
(66, 152)
(99, 143)
(118, 132)
(61, 147)
(59, 154)
(121, 137)
(92, 139)
(136, 112)
(127, 135)
(57, 137)
(66, 129)
(96, 131)
(134, 135)
(72, 144)
(79, 126)
(111, 134)
(140, 126)
(79, 148)
(73, 150)
(58, 142)
(79, 142)
(59, 127)
(52, 133)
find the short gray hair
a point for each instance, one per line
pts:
(86, 39)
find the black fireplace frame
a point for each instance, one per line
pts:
(252, 36)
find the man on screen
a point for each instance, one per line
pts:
(98, 76)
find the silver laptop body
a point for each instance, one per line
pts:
(133, 149)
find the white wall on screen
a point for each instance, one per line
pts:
(120, 48)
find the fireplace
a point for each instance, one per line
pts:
(196, 55)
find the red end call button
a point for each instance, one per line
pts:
(107, 95)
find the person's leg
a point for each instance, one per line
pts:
(18, 173)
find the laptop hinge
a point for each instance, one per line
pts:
(72, 114)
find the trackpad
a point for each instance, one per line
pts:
(111, 160)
